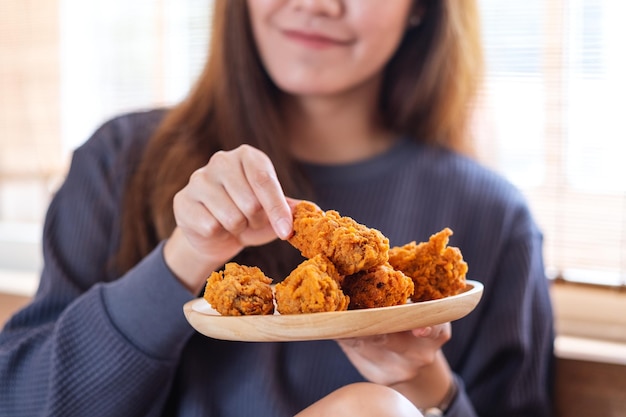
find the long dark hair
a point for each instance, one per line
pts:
(428, 88)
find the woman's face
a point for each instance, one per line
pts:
(325, 47)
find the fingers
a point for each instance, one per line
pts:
(439, 333)
(358, 342)
(252, 195)
(386, 359)
(198, 210)
(194, 217)
(395, 357)
(265, 186)
(443, 331)
(229, 197)
(237, 195)
(374, 346)
(232, 202)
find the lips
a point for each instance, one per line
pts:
(314, 40)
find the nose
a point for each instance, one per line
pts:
(329, 8)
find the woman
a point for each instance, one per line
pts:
(359, 106)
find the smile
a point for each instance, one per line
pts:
(314, 41)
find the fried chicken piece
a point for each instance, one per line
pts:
(437, 270)
(311, 288)
(240, 290)
(350, 246)
(381, 286)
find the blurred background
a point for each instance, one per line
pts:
(550, 120)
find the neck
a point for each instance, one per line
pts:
(338, 129)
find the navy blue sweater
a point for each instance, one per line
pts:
(94, 344)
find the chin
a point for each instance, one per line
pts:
(310, 88)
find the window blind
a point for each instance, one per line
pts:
(553, 98)
(120, 56)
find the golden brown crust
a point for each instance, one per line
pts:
(381, 286)
(350, 266)
(350, 246)
(437, 270)
(240, 290)
(311, 288)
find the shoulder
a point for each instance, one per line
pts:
(108, 158)
(115, 148)
(124, 132)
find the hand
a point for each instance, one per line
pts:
(234, 201)
(410, 362)
(393, 358)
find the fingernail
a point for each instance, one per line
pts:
(283, 227)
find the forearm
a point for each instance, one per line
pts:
(88, 363)
(146, 306)
(104, 375)
(80, 366)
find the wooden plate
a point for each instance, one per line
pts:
(331, 325)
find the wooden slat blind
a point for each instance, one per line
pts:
(552, 100)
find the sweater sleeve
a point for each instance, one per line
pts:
(91, 344)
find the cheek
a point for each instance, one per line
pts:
(261, 15)
(380, 26)
(377, 46)
(263, 7)
(383, 28)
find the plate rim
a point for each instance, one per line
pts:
(277, 322)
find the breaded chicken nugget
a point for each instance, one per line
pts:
(350, 246)
(381, 286)
(437, 270)
(311, 288)
(240, 290)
